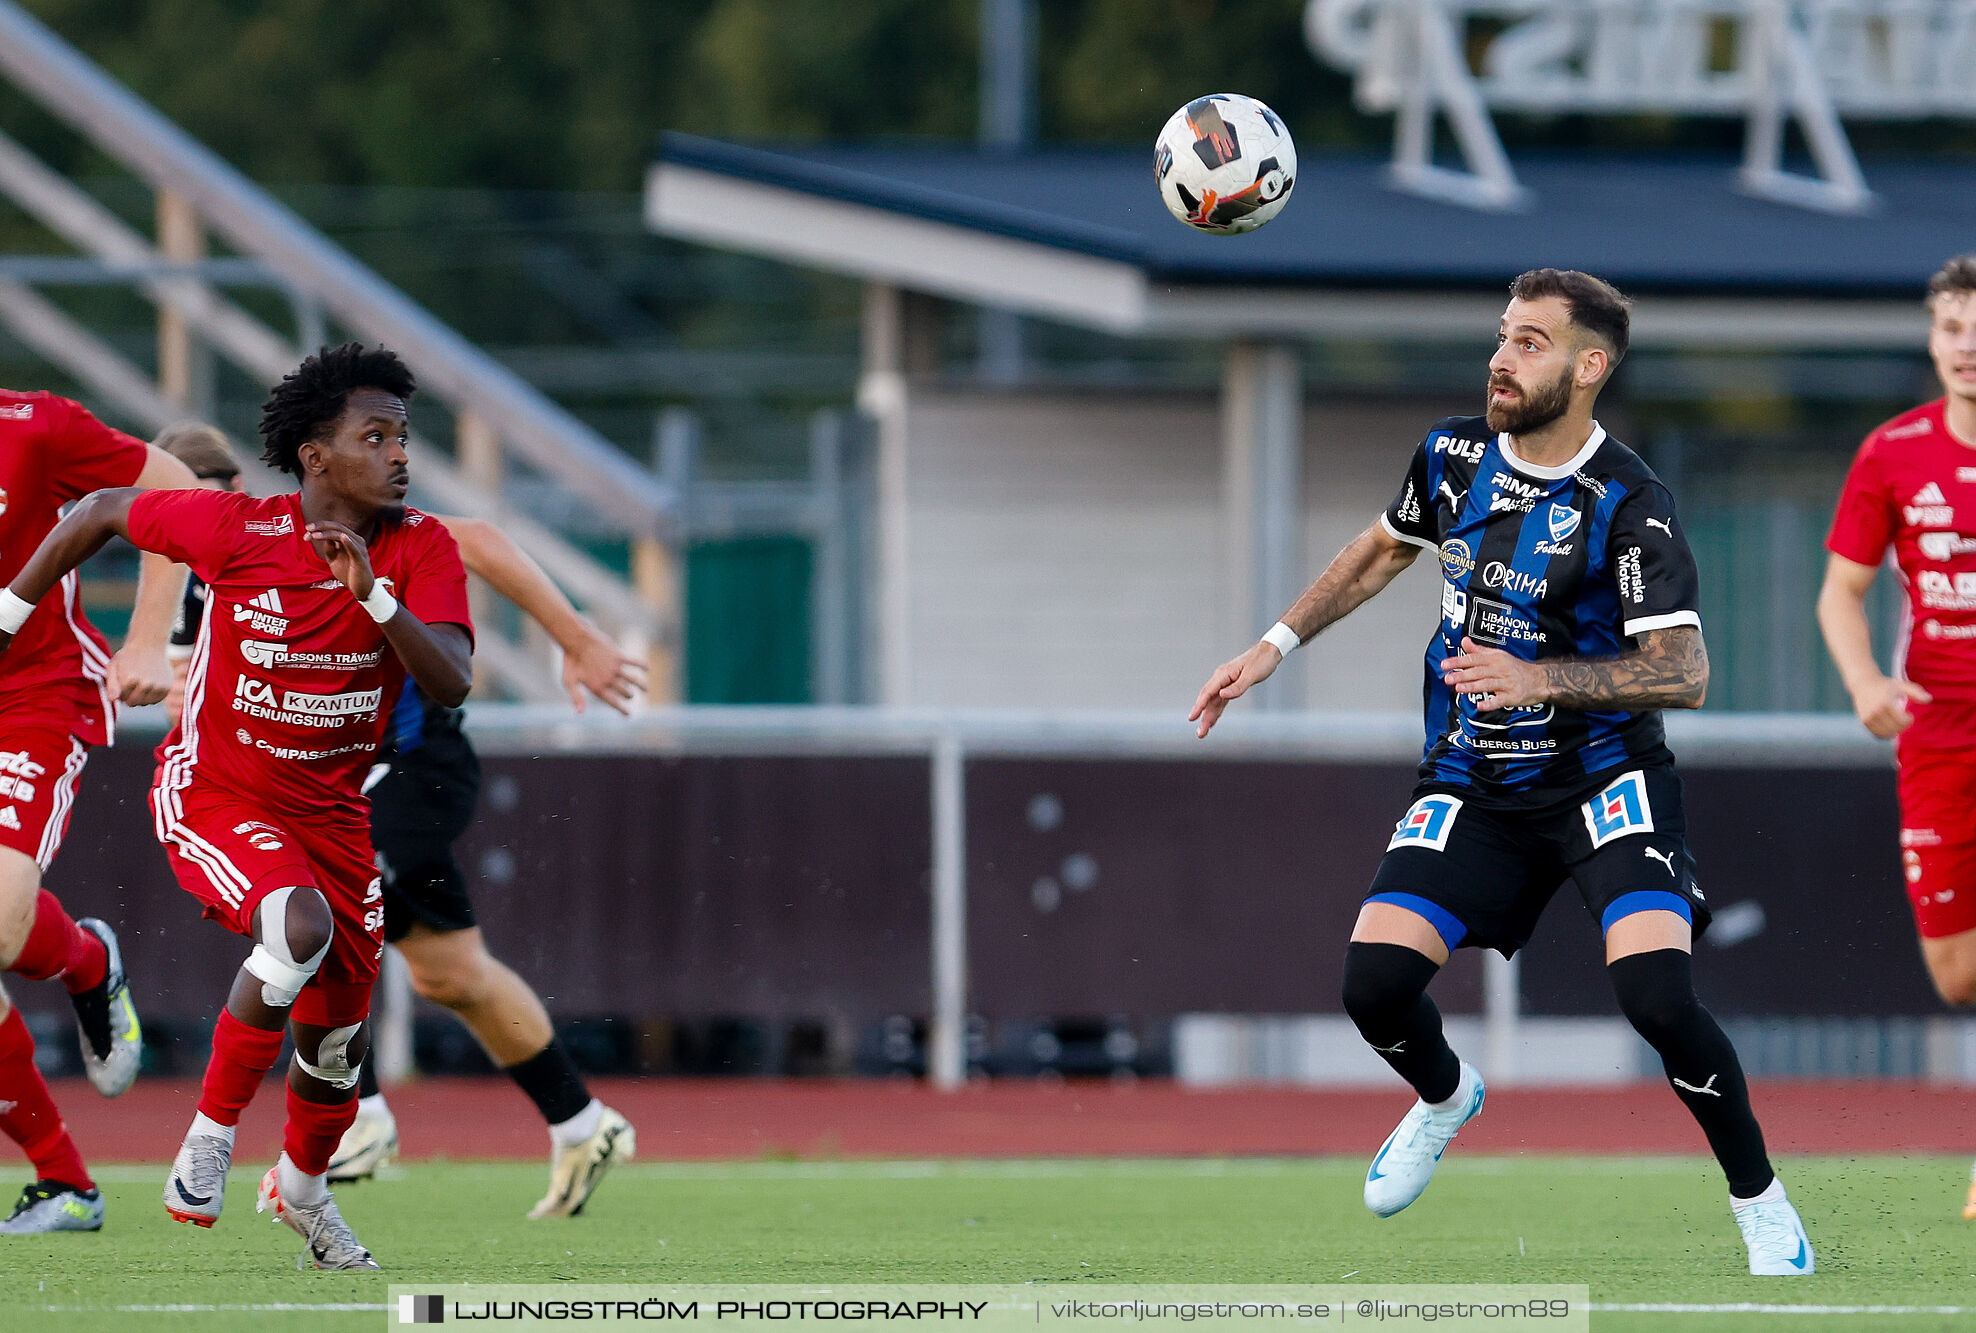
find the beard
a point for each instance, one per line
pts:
(1531, 411)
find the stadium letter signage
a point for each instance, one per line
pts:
(1877, 59)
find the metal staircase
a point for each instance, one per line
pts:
(497, 416)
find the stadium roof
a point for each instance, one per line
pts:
(1080, 235)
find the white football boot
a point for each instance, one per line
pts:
(369, 1144)
(1406, 1161)
(331, 1242)
(196, 1189)
(576, 1171)
(49, 1205)
(1775, 1236)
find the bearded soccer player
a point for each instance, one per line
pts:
(1913, 487)
(56, 702)
(320, 604)
(1568, 622)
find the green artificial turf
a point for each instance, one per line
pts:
(1887, 1231)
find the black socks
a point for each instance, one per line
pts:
(1657, 994)
(550, 1079)
(1386, 996)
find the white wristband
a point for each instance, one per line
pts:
(1282, 638)
(380, 604)
(14, 611)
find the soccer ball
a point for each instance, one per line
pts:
(1225, 164)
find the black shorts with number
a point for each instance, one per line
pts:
(420, 806)
(1484, 875)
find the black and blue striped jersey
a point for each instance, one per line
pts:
(1567, 561)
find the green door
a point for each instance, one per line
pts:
(748, 621)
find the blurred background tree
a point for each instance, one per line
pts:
(569, 94)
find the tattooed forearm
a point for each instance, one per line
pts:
(1668, 670)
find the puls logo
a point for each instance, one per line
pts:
(1469, 451)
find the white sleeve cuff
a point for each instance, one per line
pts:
(1643, 624)
(179, 652)
(1406, 537)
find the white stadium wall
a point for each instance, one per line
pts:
(1067, 550)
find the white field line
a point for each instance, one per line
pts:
(277, 1308)
(1018, 1168)
(1597, 1307)
(1750, 1307)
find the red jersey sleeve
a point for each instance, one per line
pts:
(435, 581)
(195, 528)
(86, 455)
(1864, 522)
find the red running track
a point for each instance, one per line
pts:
(739, 1119)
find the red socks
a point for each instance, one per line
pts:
(57, 946)
(314, 1130)
(27, 1113)
(242, 1057)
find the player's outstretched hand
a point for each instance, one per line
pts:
(139, 675)
(345, 554)
(596, 665)
(1230, 681)
(1513, 682)
(1882, 705)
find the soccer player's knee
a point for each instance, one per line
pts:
(454, 982)
(1957, 987)
(338, 1056)
(307, 923)
(1656, 999)
(1382, 979)
(292, 931)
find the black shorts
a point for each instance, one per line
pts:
(420, 805)
(1483, 875)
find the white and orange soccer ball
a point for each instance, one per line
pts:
(1225, 164)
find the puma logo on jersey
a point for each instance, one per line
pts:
(1662, 525)
(1394, 1049)
(1454, 497)
(1663, 858)
(1707, 1089)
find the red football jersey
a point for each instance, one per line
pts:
(53, 451)
(1913, 486)
(291, 681)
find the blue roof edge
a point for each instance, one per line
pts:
(770, 167)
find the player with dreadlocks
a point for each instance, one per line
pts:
(321, 602)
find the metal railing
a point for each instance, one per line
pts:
(949, 738)
(496, 412)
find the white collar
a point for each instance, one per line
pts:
(1578, 460)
